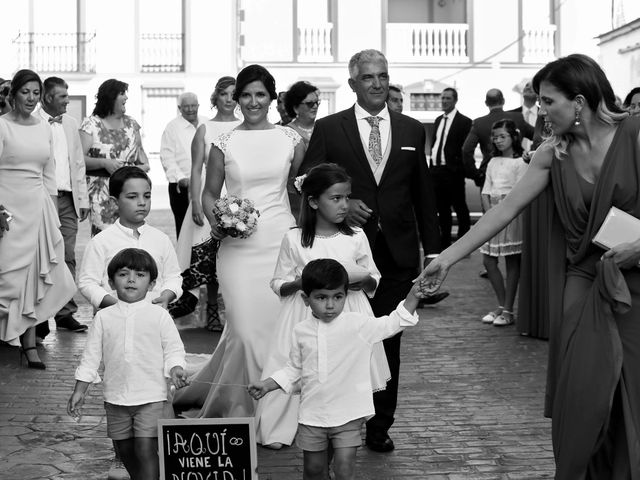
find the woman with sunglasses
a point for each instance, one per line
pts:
(301, 103)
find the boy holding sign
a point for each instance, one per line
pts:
(336, 388)
(139, 345)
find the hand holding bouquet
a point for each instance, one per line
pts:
(236, 217)
(5, 218)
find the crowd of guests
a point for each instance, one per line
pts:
(346, 204)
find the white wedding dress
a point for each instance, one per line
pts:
(257, 164)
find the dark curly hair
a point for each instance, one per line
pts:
(106, 96)
(296, 94)
(253, 73)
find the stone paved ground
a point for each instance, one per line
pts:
(470, 403)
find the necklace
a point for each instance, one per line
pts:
(308, 131)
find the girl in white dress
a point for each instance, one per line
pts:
(323, 234)
(196, 249)
(254, 161)
(503, 172)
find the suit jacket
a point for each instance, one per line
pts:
(405, 192)
(452, 149)
(538, 128)
(76, 163)
(481, 133)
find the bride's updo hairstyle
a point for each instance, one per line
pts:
(317, 181)
(253, 73)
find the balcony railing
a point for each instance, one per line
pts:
(162, 52)
(538, 44)
(427, 42)
(315, 43)
(56, 52)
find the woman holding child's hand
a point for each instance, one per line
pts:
(591, 161)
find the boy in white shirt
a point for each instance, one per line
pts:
(140, 346)
(330, 354)
(130, 187)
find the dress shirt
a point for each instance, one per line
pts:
(530, 116)
(333, 361)
(365, 129)
(139, 345)
(60, 153)
(93, 280)
(175, 148)
(442, 137)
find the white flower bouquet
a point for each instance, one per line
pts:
(236, 217)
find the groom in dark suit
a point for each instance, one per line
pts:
(383, 152)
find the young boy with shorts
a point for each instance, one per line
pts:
(331, 355)
(140, 347)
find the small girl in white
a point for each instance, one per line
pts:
(503, 172)
(323, 233)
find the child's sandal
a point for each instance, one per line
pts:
(504, 319)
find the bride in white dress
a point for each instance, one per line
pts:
(255, 161)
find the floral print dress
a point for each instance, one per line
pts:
(118, 144)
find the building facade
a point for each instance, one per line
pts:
(164, 47)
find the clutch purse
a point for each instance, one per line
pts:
(618, 227)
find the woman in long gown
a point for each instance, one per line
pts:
(255, 161)
(592, 161)
(34, 280)
(196, 249)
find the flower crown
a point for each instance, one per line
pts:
(299, 181)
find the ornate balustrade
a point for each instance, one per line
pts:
(538, 44)
(162, 52)
(56, 52)
(315, 44)
(427, 42)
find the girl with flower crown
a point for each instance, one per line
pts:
(323, 233)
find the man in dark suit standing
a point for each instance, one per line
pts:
(383, 152)
(450, 131)
(481, 133)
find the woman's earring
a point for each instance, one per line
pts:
(577, 120)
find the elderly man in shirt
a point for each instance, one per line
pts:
(73, 202)
(175, 154)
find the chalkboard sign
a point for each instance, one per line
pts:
(207, 449)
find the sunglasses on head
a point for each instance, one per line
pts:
(4, 91)
(311, 104)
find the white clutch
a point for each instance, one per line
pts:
(618, 227)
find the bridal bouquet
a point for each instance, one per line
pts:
(236, 217)
(5, 218)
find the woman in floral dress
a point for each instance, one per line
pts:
(110, 140)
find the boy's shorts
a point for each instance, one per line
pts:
(133, 421)
(317, 439)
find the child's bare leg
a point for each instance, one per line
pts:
(495, 277)
(147, 456)
(513, 277)
(344, 463)
(127, 454)
(315, 465)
